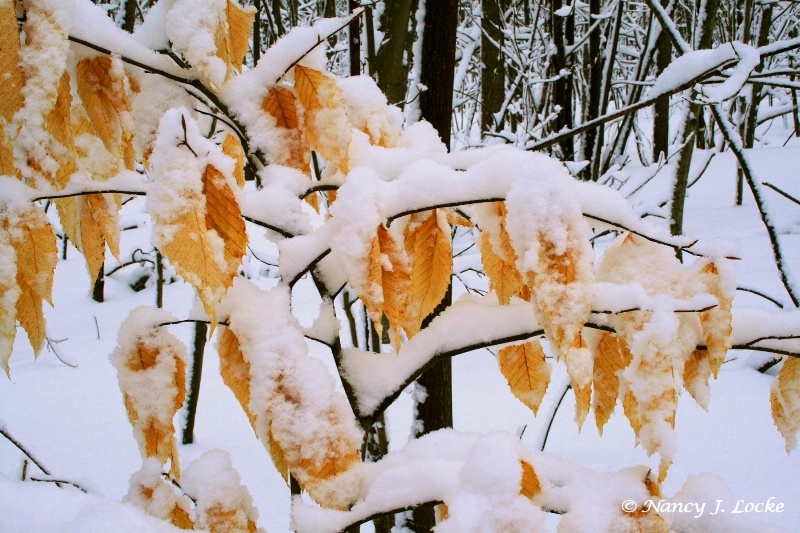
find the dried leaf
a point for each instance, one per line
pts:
(9, 294)
(11, 82)
(11, 77)
(232, 147)
(431, 252)
(30, 315)
(281, 104)
(151, 370)
(34, 252)
(611, 356)
(530, 485)
(527, 372)
(90, 222)
(388, 280)
(235, 370)
(102, 91)
(191, 253)
(224, 216)
(717, 321)
(232, 37)
(696, 372)
(504, 278)
(455, 218)
(326, 122)
(240, 25)
(631, 409)
(784, 398)
(579, 362)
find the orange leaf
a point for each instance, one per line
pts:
(326, 122)
(388, 280)
(281, 104)
(232, 147)
(785, 401)
(530, 485)
(11, 81)
(431, 251)
(527, 372)
(224, 216)
(611, 356)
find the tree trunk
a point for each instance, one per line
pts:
(200, 331)
(695, 110)
(99, 285)
(493, 72)
(661, 107)
(257, 33)
(562, 88)
(595, 77)
(436, 106)
(354, 41)
(390, 68)
(129, 21)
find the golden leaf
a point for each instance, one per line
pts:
(9, 294)
(696, 372)
(235, 371)
(504, 279)
(388, 280)
(58, 124)
(11, 77)
(191, 253)
(7, 167)
(579, 363)
(784, 398)
(224, 216)
(11, 82)
(240, 25)
(527, 372)
(36, 255)
(90, 223)
(326, 122)
(232, 37)
(281, 104)
(717, 321)
(155, 432)
(454, 218)
(232, 147)
(432, 263)
(631, 408)
(530, 485)
(611, 356)
(279, 458)
(106, 104)
(30, 315)
(441, 513)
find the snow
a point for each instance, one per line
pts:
(476, 470)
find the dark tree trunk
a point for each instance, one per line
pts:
(493, 73)
(129, 21)
(595, 87)
(661, 107)
(257, 33)
(391, 70)
(354, 41)
(562, 88)
(99, 286)
(695, 111)
(200, 331)
(436, 106)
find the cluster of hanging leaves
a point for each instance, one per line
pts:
(317, 441)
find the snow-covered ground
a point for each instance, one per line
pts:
(74, 422)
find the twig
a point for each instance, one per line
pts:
(781, 192)
(735, 143)
(185, 141)
(269, 226)
(58, 482)
(320, 40)
(21, 448)
(757, 293)
(552, 418)
(96, 327)
(51, 347)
